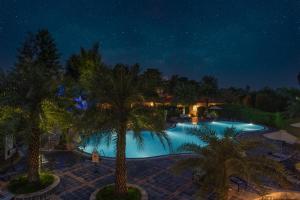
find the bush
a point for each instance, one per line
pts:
(21, 185)
(201, 111)
(173, 112)
(238, 112)
(108, 193)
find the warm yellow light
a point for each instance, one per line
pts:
(195, 107)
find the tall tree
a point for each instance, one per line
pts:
(115, 106)
(79, 69)
(183, 90)
(151, 82)
(186, 93)
(33, 81)
(208, 88)
(87, 58)
(224, 158)
(298, 77)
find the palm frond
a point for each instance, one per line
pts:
(228, 156)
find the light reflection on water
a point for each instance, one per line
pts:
(152, 146)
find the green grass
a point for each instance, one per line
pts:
(108, 193)
(21, 185)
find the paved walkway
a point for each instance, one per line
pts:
(79, 177)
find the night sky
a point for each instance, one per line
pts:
(254, 42)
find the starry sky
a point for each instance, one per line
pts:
(241, 42)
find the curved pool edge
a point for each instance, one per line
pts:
(89, 155)
(265, 129)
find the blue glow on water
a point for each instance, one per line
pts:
(152, 146)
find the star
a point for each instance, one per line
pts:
(219, 35)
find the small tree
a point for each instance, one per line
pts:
(223, 158)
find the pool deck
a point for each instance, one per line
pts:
(80, 177)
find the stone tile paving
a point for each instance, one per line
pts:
(80, 177)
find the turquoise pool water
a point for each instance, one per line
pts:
(152, 146)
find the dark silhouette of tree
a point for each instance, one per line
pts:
(248, 101)
(208, 88)
(84, 59)
(32, 82)
(270, 100)
(183, 90)
(152, 83)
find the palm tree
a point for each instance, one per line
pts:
(32, 82)
(115, 106)
(223, 158)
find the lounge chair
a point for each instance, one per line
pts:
(243, 184)
(239, 182)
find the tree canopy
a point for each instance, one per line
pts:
(29, 85)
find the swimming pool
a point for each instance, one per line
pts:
(152, 147)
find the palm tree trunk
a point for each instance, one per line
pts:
(33, 156)
(121, 174)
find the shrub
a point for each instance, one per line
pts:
(108, 193)
(21, 185)
(238, 112)
(173, 112)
